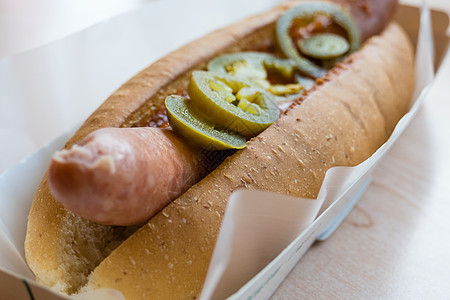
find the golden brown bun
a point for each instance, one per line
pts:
(342, 122)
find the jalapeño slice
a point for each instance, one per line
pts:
(197, 130)
(324, 46)
(307, 11)
(255, 66)
(232, 102)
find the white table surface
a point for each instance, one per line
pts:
(395, 244)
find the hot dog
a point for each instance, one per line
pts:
(312, 136)
(95, 201)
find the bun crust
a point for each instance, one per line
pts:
(341, 122)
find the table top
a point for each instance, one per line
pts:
(395, 243)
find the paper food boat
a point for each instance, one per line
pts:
(236, 271)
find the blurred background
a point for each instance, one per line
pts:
(26, 24)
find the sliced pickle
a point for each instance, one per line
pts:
(197, 130)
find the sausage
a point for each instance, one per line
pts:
(370, 16)
(122, 176)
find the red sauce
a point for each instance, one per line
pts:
(159, 116)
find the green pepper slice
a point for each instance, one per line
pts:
(324, 46)
(254, 66)
(309, 10)
(232, 102)
(197, 130)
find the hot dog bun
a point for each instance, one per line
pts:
(342, 121)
